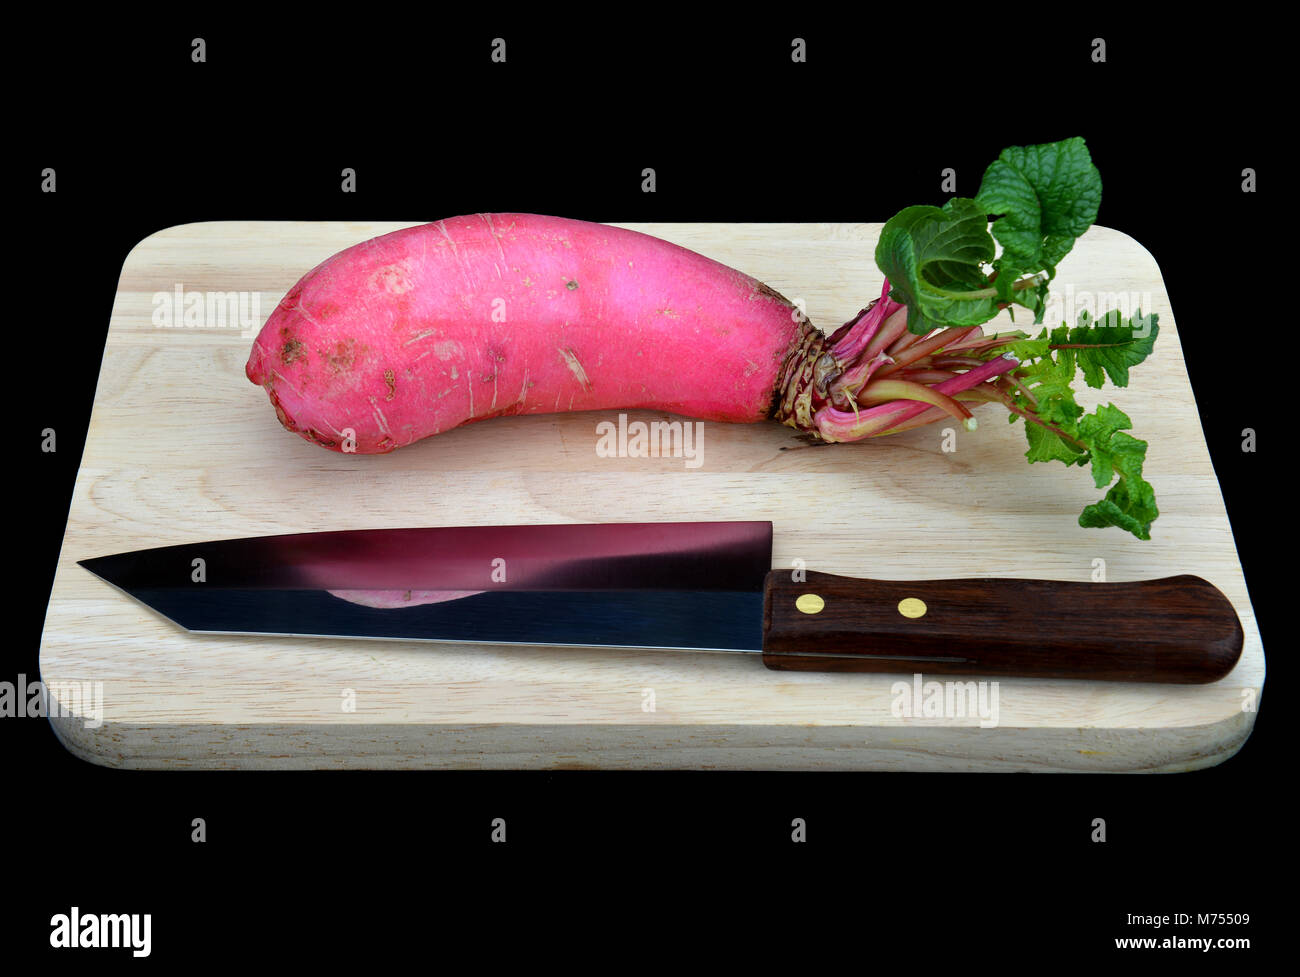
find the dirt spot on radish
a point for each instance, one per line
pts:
(320, 438)
(571, 285)
(768, 292)
(342, 357)
(292, 350)
(285, 420)
(495, 359)
(394, 279)
(392, 386)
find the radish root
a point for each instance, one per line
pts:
(871, 377)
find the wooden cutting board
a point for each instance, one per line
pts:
(182, 448)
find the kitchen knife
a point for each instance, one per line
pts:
(697, 586)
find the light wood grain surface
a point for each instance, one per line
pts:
(183, 448)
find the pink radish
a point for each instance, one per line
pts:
(425, 329)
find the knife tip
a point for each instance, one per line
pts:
(95, 565)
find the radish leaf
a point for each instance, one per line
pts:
(1111, 347)
(943, 264)
(932, 257)
(1057, 428)
(1131, 502)
(940, 261)
(1047, 196)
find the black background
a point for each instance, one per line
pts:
(602, 867)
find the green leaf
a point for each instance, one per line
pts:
(1049, 380)
(1064, 433)
(1049, 445)
(1047, 194)
(1098, 429)
(933, 257)
(937, 259)
(1131, 502)
(1053, 374)
(1106, 513)
(1119, 344)
(1027, 349)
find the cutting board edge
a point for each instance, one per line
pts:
(632, 747)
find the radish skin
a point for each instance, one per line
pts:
(431, 327)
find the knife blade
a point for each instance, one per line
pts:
(691, 586)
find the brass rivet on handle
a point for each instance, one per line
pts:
(810, 603)
(912, 607)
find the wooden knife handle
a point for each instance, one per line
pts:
(1178, 629)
